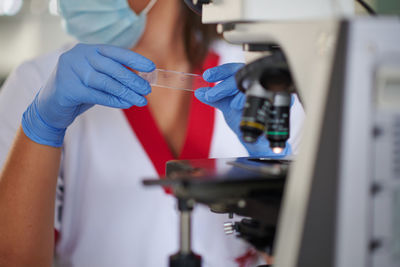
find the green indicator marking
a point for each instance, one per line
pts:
(277, 133)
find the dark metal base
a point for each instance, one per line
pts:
(185, 260)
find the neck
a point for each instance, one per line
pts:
(162, 40)
(163, 43)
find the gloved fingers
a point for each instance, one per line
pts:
(94, 97)
(238, 101)
(120, 73)
(127, 57)
(82, 108)
(221, 72)
(110, 86)
(200, 94)
(224, 89)
(222, 105)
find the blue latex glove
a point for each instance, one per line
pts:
(226, 97)
(85, 75)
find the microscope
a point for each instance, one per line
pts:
(338, 203)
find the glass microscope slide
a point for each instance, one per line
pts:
(174, 80)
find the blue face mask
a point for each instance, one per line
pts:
(110, 22)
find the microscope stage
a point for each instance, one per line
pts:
(244, 186)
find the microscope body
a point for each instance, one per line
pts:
(338, 203)
(341, 203)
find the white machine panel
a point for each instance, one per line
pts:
(385, 243)
(222, 11)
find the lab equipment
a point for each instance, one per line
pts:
(185, 256)
(174, 80)
(268, 86)
(255, 114)
(340, 201)
(86, 75)
(226, 97)
(104, 21)
(278, 127)
(240, 186)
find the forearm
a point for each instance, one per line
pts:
(27, 194)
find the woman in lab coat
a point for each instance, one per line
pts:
(102, 215)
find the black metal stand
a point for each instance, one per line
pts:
(185, 256)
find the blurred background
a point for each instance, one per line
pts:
(29, 28)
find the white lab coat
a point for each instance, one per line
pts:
(104, 216)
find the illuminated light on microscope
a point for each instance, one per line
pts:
(277, 150)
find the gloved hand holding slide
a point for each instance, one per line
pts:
(85, 75)
(226, 97)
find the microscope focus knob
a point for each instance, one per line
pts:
(229, 228)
